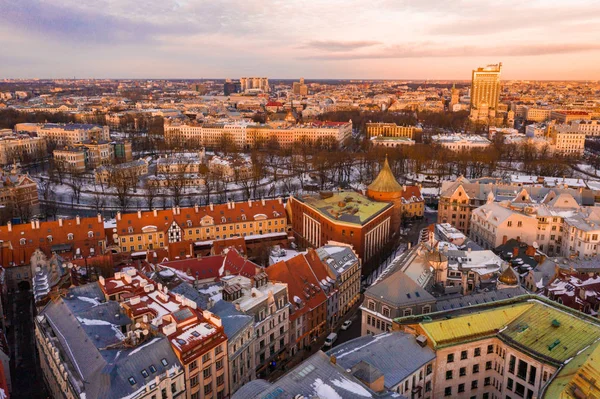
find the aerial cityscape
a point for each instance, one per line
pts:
(254, 200)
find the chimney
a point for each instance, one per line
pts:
(37, 224)
(211, 206)
(32, 224)
(515, 252)
(99, 218)
(139, 214)
(9, 225)
(118, 215)
(196, 208)
(174, 210)
(178, 209)
(232, 205)
(530, 251)
(504, 239)
(155, 212)
(77, 220)
(228, 205)
(60, 222)
(279, 200)
(249, 202)
(262, 200)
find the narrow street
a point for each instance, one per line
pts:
(26, 375)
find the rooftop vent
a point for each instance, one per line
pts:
(422, 340)
(555, 323)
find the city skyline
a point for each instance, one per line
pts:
(318, 40)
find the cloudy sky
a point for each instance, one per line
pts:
(387, 39)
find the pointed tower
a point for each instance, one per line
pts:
(385, 188)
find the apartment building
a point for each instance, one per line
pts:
(538, 114)
(562, 116)
(248, 135)
(390, 130)
(308, 307)
(89, 347)
(70, 238)
(565, 140)
(523, 347)
(196, 336)
(129, 170)
(157, 229)
(18, 194)
(492, 224)
(255, 83)
(21, 148)
(459, 198)
(268, 303)
(344, 267)
(71, 159)
(590, 128)
(65, 134)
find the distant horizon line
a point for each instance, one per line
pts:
(4, 80)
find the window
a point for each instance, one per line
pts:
(488, 365)
(193, 365)
(206, 372)
(477, 352)
(194, 380)
(448, 391)
(463, 355)
(429, 369)
(131, 380)
(164, 362)
(145, 373)
(511, 364)
(509, 384)
(218, 349)
(462, 372)
(206, 357)
(487, 381)
(428, 386)
(450, 358)
(70, 236)
(522, 370)
(490, 349)
(461, 388)
(219, 364)
(474, 384)
(207, 389)
(475, 368)
(152, 369)
(220, 379)
(449, 375)
(532, 373)
(519, 389)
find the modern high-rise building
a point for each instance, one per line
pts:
(300, 88)
(485, 92)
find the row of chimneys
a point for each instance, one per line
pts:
(177, 209)
(35, 223)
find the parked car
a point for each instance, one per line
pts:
(346, 324)
(331, 338)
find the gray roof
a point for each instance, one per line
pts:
(315, 377)
(503, 192)
(233, 320)
(89, 333)
(396, 355)
(400, 290)
(338, 258)
(462, 301)
(188, 291)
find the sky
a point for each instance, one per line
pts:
(315, 39)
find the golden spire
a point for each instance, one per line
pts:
(385, 182)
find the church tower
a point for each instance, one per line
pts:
(385, 188)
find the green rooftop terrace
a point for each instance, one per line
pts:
(345, 206)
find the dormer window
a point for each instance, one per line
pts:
(130, 230)
(70, 236)
(189, 223)
(49, 238)
(90, 234)
(22, 241)
(223, 220)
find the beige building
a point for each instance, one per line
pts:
(390, 130)
(537, 114)
(21, 148)
(525, 347)
(460, 142)
(65, 134)
(71, 159)
(485, 92)
(255, 84)
(564, 116)
(132, 170)
(98, 152)
(565, 140)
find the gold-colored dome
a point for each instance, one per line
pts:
(508, 277)
(385, 182)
